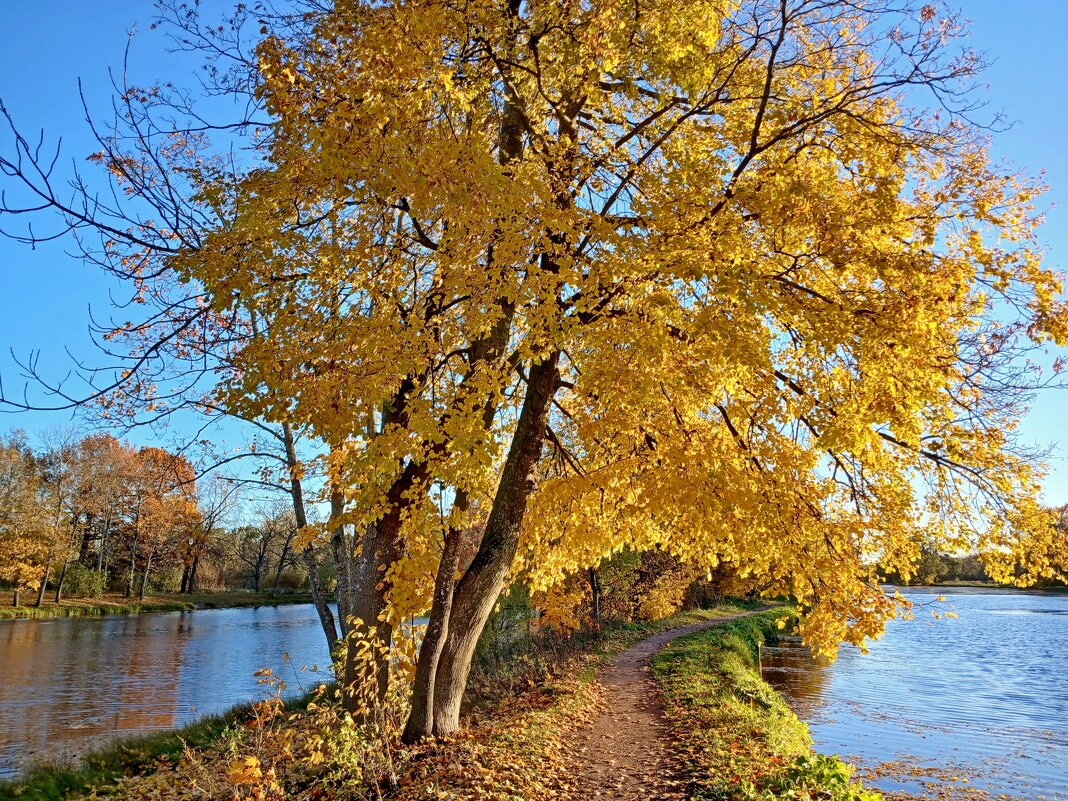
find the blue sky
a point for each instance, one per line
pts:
(48, 46)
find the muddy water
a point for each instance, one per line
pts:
(968, 708)
(68, 684)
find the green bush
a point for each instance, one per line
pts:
(84, 582)
(166, 579)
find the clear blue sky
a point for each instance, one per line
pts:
(49, 44)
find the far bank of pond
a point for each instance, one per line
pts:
(967, 708)
(116, 604)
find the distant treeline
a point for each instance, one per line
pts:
(934, 567)
(84, 515)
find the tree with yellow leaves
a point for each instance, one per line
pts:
(23, 540)
(732, 280)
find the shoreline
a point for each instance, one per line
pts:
(115, 605)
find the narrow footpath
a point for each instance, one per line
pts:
(626, 751)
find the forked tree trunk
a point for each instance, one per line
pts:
(421, 719)
(483, 581)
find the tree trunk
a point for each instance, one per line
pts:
(87, 538)
(103, 540)
(296, 493)
(66, 555)
(281, 566)
(62, 578)
(193, 575)
(483, 581)
(341, 550)
(421, 720)
(44, 582)
(133, 570)
(381, 547)
(15, 600)
(322, 608)
(185, 580)
(595, 598)
(144, 576)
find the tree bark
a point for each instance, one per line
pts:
(15, 599)
(595, 598)
(381, 547)
(342, 553)
(296, 493)
(193, 574)
(44, 582)
(62, 578)
(87, 538)
(144, 575)
(483, 581)
(421, 720)
(281, 566)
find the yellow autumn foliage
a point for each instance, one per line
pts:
(749, 295)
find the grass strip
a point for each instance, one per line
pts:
(737, 738)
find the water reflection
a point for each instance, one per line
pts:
(68, 684)
(956, 707)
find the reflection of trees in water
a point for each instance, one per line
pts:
(68, 685)
(790, 668)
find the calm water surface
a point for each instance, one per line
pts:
(68, 684)
(966, 708)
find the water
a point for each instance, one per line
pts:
(68, 684)
(968, 708)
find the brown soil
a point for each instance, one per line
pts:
(626, 751)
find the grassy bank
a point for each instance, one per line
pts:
(130, 757)
(115, 604)
(741, 741)
(100, 768)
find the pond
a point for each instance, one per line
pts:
(967, 708)
(68, 684)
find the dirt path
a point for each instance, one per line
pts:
(625, 752)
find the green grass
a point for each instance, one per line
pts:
(741, 741)
(117, 605)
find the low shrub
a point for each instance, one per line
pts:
(84, 582)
